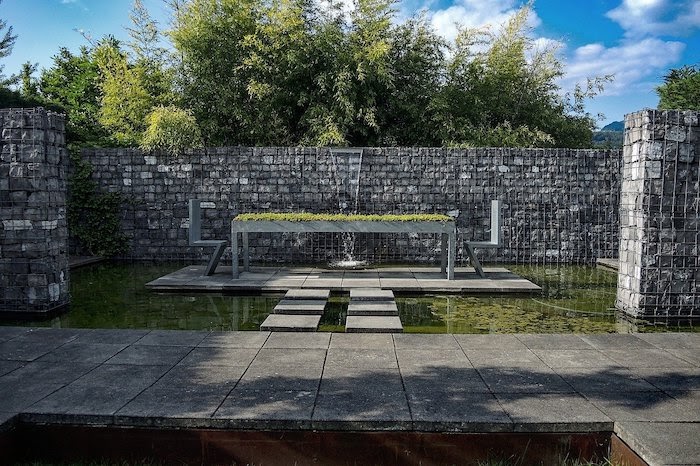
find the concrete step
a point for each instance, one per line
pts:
(300, 306)
(373, 324)
(290, 323)
(372, 308)
(312, 293)
(371, 294)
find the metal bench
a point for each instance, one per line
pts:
(494, 242)
(195, 234)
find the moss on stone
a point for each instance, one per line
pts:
(308, 217)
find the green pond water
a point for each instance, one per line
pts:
(574, 299)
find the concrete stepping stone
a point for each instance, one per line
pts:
(373, 324)
(373, 308)
(290, 323)
(371, 294)
(300, 306)
(311, 293)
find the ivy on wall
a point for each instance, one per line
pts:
(93, 215)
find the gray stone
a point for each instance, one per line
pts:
(362, 358)
(290, 323)
(150, 355)
(8, 366)
(616, 342)
(561, 342)
(489, 342)
(262, 409)
(662, 443)
(91, 353)
(8, 333)
(312, 294)
(371, 294)
(342, 379)
(415, 341)
(379, 324)
(604, 380)
(574, 358)
(109, 336)
(362, 410)
(671, 378)
(524, 379)
(235, 339)
(300, 306)
(645, 406)
(457, 411)
(502, 358)
(219, 356)
(372, 308)
(173, 338)
(645, 358)
(361, 340)
(429, 379)
(432, 358)
(281, 377)
(296, 340)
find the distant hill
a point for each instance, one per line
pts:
(615, 126)
(610, 137)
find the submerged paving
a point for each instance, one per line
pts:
(644, 387)
(399, 279)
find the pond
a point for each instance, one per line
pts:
(575, 299)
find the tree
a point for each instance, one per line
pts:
(681, 89)
(29, 84)
(7, 41)
(171, 130)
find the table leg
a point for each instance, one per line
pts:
(246, 254)
(234, 254)
(443, 253)
(451, 254)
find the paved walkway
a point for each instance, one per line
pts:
(415, 280)
(646, 387)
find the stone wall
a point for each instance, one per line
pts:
(660, 228)
(559, 205)
(33, 232)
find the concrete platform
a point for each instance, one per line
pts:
(646, 388)
(300, 306)
(371, 294)
(610, 264)
(308, 294)
(291, 323)
(373, 324)
(398, 279)
(372, 308)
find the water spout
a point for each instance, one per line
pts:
(347, 165)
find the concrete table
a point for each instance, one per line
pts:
(446, 229)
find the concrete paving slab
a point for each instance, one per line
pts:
(406, 285)
(560, 342)
(429, 379)
(18, 396)
(206, 377)
(372, 308)
(150, 355)
(290, 323)
(267, 410)
(7, 421)
(691, 356)
(49, 372)
(282, 356)
(671, 378)
(378, 324)
(668, 443)
(330, 283)
(85, 352)
(575, 358)
(549, 412)
(604, 380)
(361, 340)
(34, 343)
(240, 339)
(8, 333)
(293, 340)
(8, 366)
(311, 293)
(362, 358)
(95, 397)
(645, 406)
(457, 411)
(219, 356)
(340, 379)
(504, 358)
(432, 358)
(350, 283)
(489, 342)
(371, 294)
(110, 336)
(645, 358)
(672, 340)
(364, 410)
(416, 341)
(524, 379)
(616, 341)
(281, 377)
(300, 306)
(173, 338)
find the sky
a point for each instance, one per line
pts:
(637, 41)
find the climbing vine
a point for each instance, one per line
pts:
(93, 215)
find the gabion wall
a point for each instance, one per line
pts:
(659, 255)
(33, 232)
(559, 205)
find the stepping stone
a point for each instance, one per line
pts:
(373, 308)
(290, 323)
(311, 293)
(300, 306)
(373, 324)
(371, 294)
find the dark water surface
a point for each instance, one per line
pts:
(575, 299)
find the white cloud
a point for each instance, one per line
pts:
(633, 64)
(657, 17)
(476, 14)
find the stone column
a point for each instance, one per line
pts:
(33, 231)
(660, 229)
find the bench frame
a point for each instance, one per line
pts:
(195, 237)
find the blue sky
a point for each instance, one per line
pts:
(636, 40)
